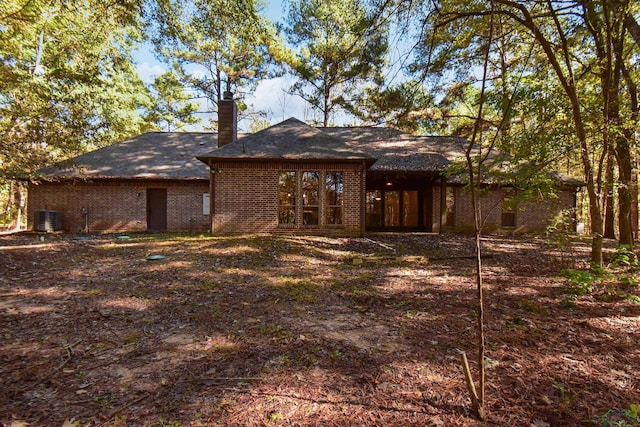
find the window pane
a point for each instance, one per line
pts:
(287, 198)
(508, 219)
(508, 212)
(334, 190)
(450, 206)
(311, 188)
(391, 209)
(334, 215)
(410, 208)
(310, 216)
(374, 209)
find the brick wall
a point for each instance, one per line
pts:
(436, 209)
(246, 198)
(533, 215)
(119, 206)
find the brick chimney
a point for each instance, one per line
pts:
(227, 119)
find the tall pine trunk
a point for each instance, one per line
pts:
(609, 200)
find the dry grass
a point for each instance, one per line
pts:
(269, 331)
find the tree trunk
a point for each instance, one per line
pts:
(609, 202)
(555, 55)
(623, 134)
(625, 186)
(634, 29)
(634, 199)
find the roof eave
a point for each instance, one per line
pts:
(115, 178)
(237, 159)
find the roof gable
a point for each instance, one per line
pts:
(291, 139)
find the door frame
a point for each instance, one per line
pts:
(156, 209)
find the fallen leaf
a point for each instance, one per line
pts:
(69, 423)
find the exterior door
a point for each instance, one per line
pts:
(156, 209)
(398, 210)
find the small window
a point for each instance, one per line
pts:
(206, 204)
(508, 212)
(334, 195)
(287, 198)
(310, 198)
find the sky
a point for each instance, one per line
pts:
(270, 96)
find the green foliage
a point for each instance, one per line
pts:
(340, 47)
(214, 43)
(68, 80)
(68, 84)
(533, 307)
(560, 232)
(172, 108)
(633, 298)
(559, 89)
(629, 280)
(625, 257)
(276, 331)
(580, 281)
(568, 301)
(620, 417)
(405, 106)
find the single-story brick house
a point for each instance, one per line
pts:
(291, 178)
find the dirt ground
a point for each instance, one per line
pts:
(307, 331)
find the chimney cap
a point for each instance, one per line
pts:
(227, 95)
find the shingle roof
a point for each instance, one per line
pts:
(288, 140)
(153, 155)
(175, 155)
(399, 151)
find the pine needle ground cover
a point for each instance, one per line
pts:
(255, 330)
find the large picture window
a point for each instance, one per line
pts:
(334, 195)
(287, 198)
(310, 198)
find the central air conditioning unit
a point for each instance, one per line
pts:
(47, 221)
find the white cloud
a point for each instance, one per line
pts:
(148, 72)
(271, 96)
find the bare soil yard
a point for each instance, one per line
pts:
(308, 331)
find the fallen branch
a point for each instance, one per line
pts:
(122, 408)
(69, 351)
(475, 402)
(218, 379)
(380, 244)
(443, 258)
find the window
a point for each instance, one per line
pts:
(310, 198)
(206, 203)
(450, 206)
(374, 208)
(410, 208)
(508, 212)
(287, 198)
(392, 209)
(334, 194)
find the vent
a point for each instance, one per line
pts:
(47, 221)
